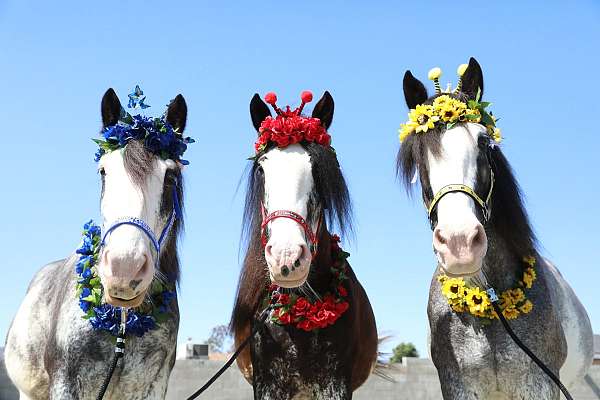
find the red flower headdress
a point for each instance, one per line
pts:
(290, 127)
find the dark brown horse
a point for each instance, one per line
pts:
(304, 180)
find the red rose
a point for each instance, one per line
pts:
(301, 307)
(285, 318)
(341, 307)
(342, 290)
(322, 318)
(284, 298)
(306, 325)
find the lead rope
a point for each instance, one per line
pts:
(119, 353)
(260, 321)
(494, 299)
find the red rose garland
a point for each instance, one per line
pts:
(290, 127)
(300, 312)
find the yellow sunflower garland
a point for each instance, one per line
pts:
(513, 302)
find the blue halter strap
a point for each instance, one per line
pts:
(143, 226)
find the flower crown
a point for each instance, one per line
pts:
(448, 111)
(158, 135)
(290, 127)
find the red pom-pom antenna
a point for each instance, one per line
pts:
(306, 96)
(271, 98)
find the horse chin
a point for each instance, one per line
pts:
(127, 303)
(461, 270)
(288, 284)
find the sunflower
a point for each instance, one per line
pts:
(529, 260)
(453, 288)
(526, 307)
(406, 129)
(528, 277)
(458, 307)
(440, 102)
(517, 295)
(477, 300)
(423, 115)
(510, 312)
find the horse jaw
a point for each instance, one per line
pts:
(126, 265)
(288, 186)
(453, 237)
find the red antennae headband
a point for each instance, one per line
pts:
(290, 127)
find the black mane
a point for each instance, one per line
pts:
(508, 219)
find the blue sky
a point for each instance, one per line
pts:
(540, 63)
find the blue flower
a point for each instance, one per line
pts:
(87, 247)
(98, 155)
(87, 273)
(83, 263)
(85, 292)
(106, 318)
(84, 305)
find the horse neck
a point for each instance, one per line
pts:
(320, 275)
(502, 266)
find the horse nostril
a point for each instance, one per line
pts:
(285, 271)
(439, 237)
(476, 238)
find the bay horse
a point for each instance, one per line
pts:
(296, 191)
(51, 351)
(481, 228)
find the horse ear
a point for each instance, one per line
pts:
(414, 91)
(258, 111)
(111, 108)
(324, 110)
(177, 113)
(472, 80)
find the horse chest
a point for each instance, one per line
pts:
(294, 365)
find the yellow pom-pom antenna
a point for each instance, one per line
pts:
(460, 72)
(434, 75)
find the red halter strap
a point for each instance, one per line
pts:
(310, 235)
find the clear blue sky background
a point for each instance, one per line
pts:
(540, 61)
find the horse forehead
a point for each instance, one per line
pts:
(114, 163)
(460, 141)
(293, 158)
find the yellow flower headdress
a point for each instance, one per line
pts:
(449, 111)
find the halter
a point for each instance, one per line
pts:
(310, 235)
(143, 226)
(454, 188)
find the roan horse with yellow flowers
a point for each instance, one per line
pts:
(482, 236)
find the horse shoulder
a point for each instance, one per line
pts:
(576, 326)
(29, 331)
(364, 340)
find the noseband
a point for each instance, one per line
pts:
(310, 235)
(485, 206)
(143, 226)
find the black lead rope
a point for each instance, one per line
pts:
(119, 353)
(261, 319)
(494, 298)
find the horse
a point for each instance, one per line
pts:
(296, 190)
(51, 351)
(481, 232)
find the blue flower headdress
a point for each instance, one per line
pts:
(158, 135)
(105, 316)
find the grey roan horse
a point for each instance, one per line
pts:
(474, 356)
(51, 351)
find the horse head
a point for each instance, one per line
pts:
(137, 185)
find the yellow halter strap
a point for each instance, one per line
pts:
(453, 188)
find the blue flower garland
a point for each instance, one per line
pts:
(105, 316)
(158, 135)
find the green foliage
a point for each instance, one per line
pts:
(403, 350)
